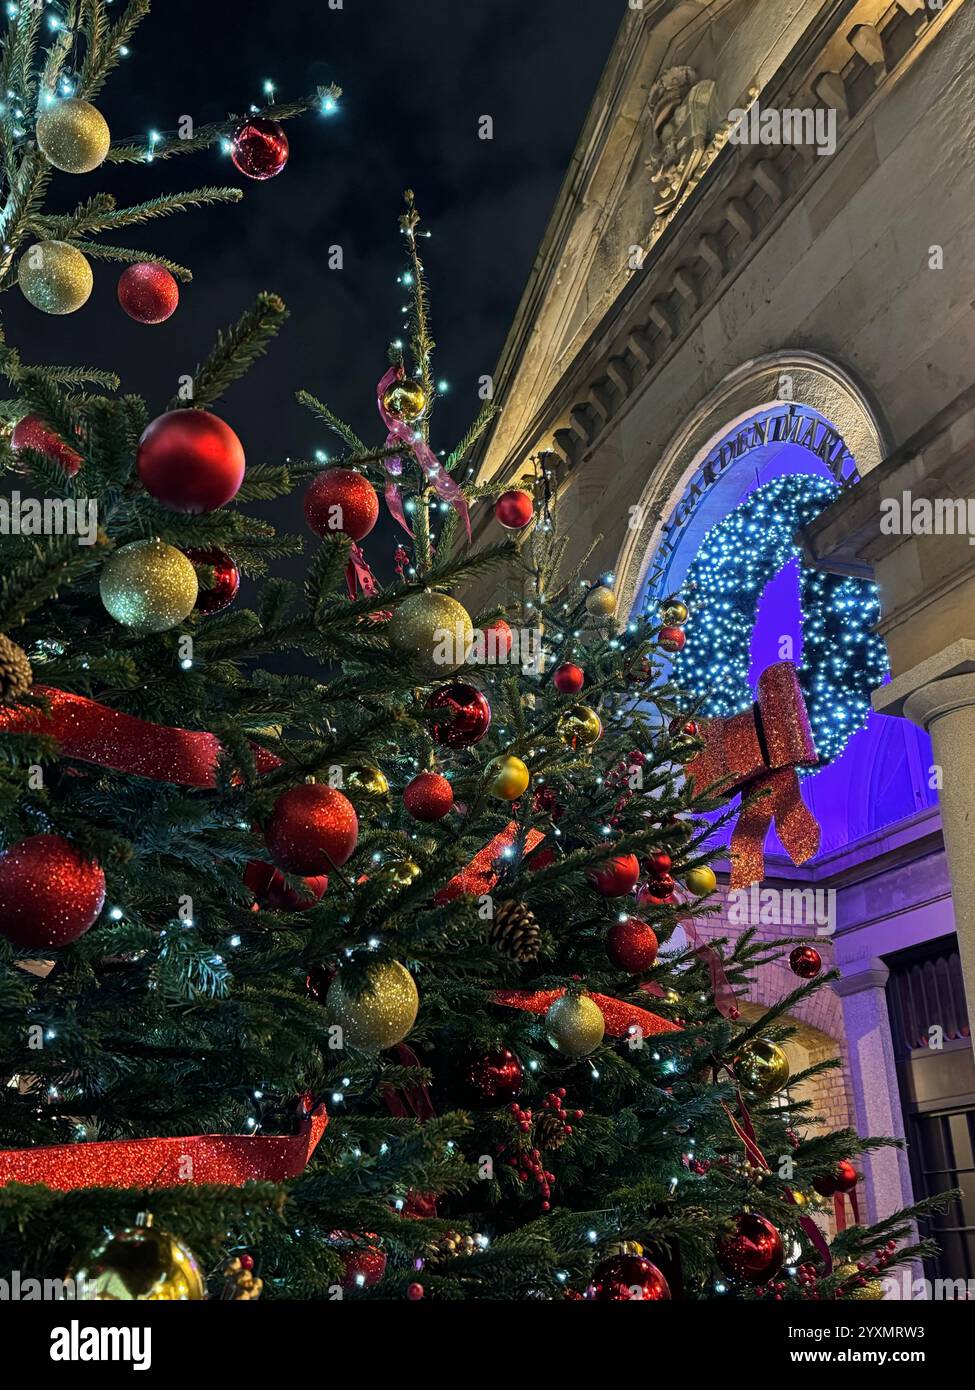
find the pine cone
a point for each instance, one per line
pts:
(549, 1131)
(515, 931)
(16, 677)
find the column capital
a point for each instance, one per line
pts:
(861, 975)
(953, 663)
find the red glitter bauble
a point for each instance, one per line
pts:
(32, 433)
(568, 678)
(148, 292)
(806, 962)
(270, 887)
(657, 890)
(657, 866)
(364, 1265)
(618, 877)
(672, 639)
(414, 1292)
(428, 797)
(631, 945)
(514, 509)
(497, 1075)
(754, 1253)
(464, 715)
(190, 461)
(341, 501)
(626, 1278)
(49, 893)
(498, 639)
(312, 829)
(226, 578)
(259, 148)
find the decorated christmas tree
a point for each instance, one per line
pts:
(384, 980)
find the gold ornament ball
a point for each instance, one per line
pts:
(762, 1067)
(73, 135)
(701, 880)
(364, 782)
(434, 631)
(400, 873)
(674, 612)
(381, 1014)
(579, 725)
(140, 1263)
(601, 602)
(575, 1025)
(149, 586)
(405, 400)
(509, 778)
(55, 277)
(871, 1292)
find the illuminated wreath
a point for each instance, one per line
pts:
(842, 659)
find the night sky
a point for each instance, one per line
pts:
(415, 78)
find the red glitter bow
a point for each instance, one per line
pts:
(620, 1019)
(759, 751)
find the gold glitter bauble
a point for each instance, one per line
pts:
(575, 1025)
(579, 726)
(382, 1014)
(871, 1292)
(701, 880)
(509, 778)
(673, 611)
(400, 872)
(73, 135)
(138, 1263)
(55, 277)
(364, 782)
(601, 602)
(762, 1067)
(434, 631)
(405, 400)
(149, 585)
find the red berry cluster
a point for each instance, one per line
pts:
(528, 1159)
(809, 1277)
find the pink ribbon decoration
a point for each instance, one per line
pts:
(358, 576)
(724, 995)
(399, 432)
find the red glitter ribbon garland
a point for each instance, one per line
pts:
(481, 875)
(621, 1019)
(759, 751)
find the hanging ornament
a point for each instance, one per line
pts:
(514, 509)
(464, 715)
(568, 678)
(656, 891)
(601, 602)
(686, 739)
(617, 878)
(149, 586)
(631, 945)
(141, 1263)
(399, 873)
(73, 135)
(312, 829)
(226, 578)
(405, 400)
(843, 1178)
(190, 461)
(498, 1075)
(148, 292)
(32, 433)
(508, 778)
(762, 1067)
(55, 277)
(623, 1278)
(433, 631)
(364, 782)
(579, 727)
(701, 881)
(259, 148)
(341, 501)
(674, 611)
(754, 1253)
(806, 962)
(575, 1025)
(498, 641)
(657, 865)
(428, 797)
(672, 639)
(16, 674)
(379, 1014)
(271, 888)
(49, 893)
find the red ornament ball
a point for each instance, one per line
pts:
(656, 866)
(463, 715)
(271, 888)
(498, 639)
(259, 148)
(364, 1266)
(414, 1292)
(311, 829)
(657, 890)
(672, 639)
(806, 962)
(754, 1253)
(32, 433)
(49, 893)
(631, 945)
(514, 509)
(428, 797)
(843, 1178)
(626, 1278)
(616, 878)
(226, 578)
(148, 292)
(498, 1075)
(340, 500)
(568, 678)
(190, 461)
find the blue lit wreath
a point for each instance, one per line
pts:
(842, 659)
